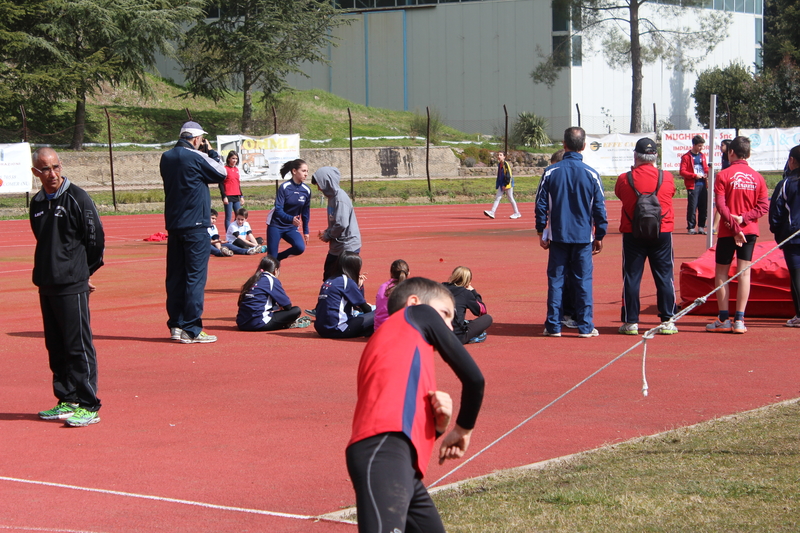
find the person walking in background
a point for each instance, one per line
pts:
(784, 220)
(645, 179)
(231, 189)
(694, 170)
(570, 200)
(342, 233)
(291, 213)
(186, 172)
(69, 248)
(741, 197)
(503, 184)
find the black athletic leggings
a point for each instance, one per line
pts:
(390, 495)
(281, 319)
(475, 328)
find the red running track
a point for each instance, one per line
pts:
(258, 422)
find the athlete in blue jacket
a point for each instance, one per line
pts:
(784, 220)
(292, 209)
(263, 304)
(570, 197)
(339, 297)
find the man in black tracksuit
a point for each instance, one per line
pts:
(186, 172)
(69, 248)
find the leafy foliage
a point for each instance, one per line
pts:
(530, 130)
(419, 125)
(781, 37)
(253, 45)
(733, 86)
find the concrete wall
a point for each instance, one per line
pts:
(136, 170)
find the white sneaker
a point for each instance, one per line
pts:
(569, 322)
(546, 333)
(629, 328)
(593, 333)
(516, 215)
(175, 334)
(489, 214)
(793, 322)
(669, 328)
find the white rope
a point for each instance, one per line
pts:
(649, 334)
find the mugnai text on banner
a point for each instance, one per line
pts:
(260, 158)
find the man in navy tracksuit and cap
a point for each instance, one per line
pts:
(570, 197)
(187, 170)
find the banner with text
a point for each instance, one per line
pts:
(769, 148)
(612, 154)
(15, 168)
(260, 158)
(675, 143)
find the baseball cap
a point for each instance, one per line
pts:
(194, 128)
(645, 145)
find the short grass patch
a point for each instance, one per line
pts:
(740, 473)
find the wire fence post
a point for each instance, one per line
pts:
(274, 120)
(25, 139)
(111, 159)
(712, 122)
(350, 120)
(428, 151)
(578, 109)
(655, 120)
(188, 114)
(505, 145)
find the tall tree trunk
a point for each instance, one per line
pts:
(636, 70)
(247, 107)
(80, 120)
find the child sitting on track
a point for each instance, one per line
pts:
(400, 413)
(466, 297)
(219, 248)
(338, 297)
(398, 272)
(241, 234)
(263, 304)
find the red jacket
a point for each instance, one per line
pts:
(687, 169)
(740, 190)
(645, 178)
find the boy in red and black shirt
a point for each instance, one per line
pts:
(741, 198)
(400, 413)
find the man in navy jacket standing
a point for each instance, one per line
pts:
(570, 199)
(186, 171)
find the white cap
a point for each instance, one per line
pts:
(194, 128)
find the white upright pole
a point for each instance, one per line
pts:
(712, 121)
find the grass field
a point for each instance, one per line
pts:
(739, 473)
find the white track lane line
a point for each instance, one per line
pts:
(174, 500)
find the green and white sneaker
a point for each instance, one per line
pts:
(81, 418)
(629, 328)
(668, 328)
(59, 412)
(202, 338)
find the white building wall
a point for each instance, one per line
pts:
(600, 90)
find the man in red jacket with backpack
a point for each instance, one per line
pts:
(637, 245)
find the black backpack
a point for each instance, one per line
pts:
(646, 221)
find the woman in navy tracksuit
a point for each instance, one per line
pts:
(291, 212)
(784, 220)
(263, 304)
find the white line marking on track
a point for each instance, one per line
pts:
(175, 500)
(51, 530)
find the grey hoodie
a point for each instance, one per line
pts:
(342, 234)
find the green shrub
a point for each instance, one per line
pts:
(419, 125)
(530, 130)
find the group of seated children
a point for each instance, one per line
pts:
(342, 311)
(239, 237)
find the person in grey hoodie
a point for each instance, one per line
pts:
(342, 234)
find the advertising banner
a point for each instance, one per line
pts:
(612, 154)
(260, 158)
(769, 148)
(15, 168)
(675, 143)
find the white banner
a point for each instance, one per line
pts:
(612, 154)
(15, 168)
(769, 148)
(260, 158)
(675, 143)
